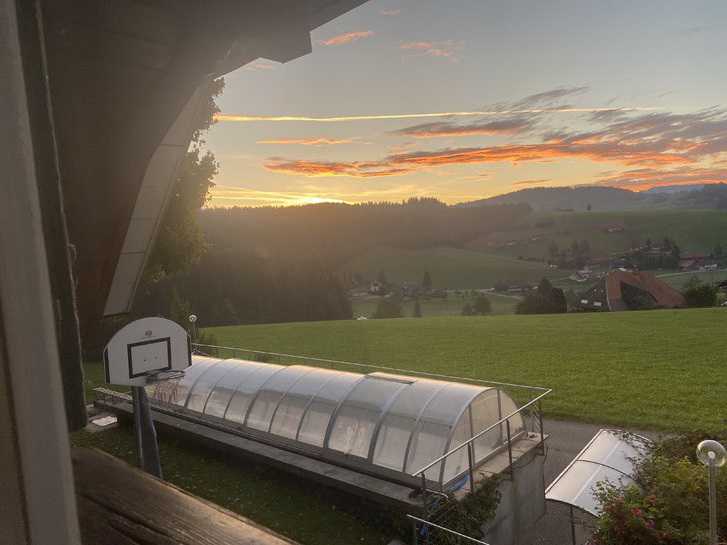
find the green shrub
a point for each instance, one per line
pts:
(670, 504)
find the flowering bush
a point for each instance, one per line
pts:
(670, 505)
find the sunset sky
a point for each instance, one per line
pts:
(466, 99)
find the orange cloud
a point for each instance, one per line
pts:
(308, 141)
(346, 38)
(390, 12)
(446, 49)
(405, 163)
(314, 169)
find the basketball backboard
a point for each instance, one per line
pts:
(144, 349)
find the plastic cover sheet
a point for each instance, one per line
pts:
(318, 416)
(358, 416)
(610, 456)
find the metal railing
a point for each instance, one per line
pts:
(416, 521)
(469, 444)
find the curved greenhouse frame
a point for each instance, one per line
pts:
(383, 424)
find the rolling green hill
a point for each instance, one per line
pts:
(657, 369)
(695, 231)
(449, 267)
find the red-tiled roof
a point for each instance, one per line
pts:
(664, 295)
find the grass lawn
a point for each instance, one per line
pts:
(449, 306)
(452, 268)
(656, 369)
(308, 514)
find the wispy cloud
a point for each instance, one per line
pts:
(389, 12)
(420, 115)
(506, 127)
(346, 38)
(308, 141)
(647, 178)
(539, 181)
(446, 49)
(550, 96)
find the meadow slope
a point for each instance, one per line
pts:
(658, 369)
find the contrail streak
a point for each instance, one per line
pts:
(379, 117)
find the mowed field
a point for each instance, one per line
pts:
(664, 370)
(447, 306)
(452, 268)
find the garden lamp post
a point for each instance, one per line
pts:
(712, 454)
(193, 326)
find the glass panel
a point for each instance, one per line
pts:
(201, 390)
(400, 421)
(317, 417)
(290, 409)
(262, 411)
(358, 416)
(246, 392)
(228, 385)
(458, 462)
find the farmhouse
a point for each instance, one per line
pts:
(630, 290)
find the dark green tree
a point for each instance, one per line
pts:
(427, 281)
(179, 242)
(700, 294)
(417, 309)
(546, 299)
(467, 309)
(481, 305)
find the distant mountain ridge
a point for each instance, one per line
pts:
(610, 199)
(547, 199)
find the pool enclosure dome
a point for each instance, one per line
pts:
(391, 426)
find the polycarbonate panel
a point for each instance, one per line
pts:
(175, 391)
(516, 422)
(223, 391)
(609, 456)
(318, 416)
(578, 487)
(400, 421)
(485, 413)
(358, 416)
(199, 393)
(291, 408)
(427, 444)
(263, 408)
(246, 392)
(436, 424)
(612, 450)
(458, 462)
